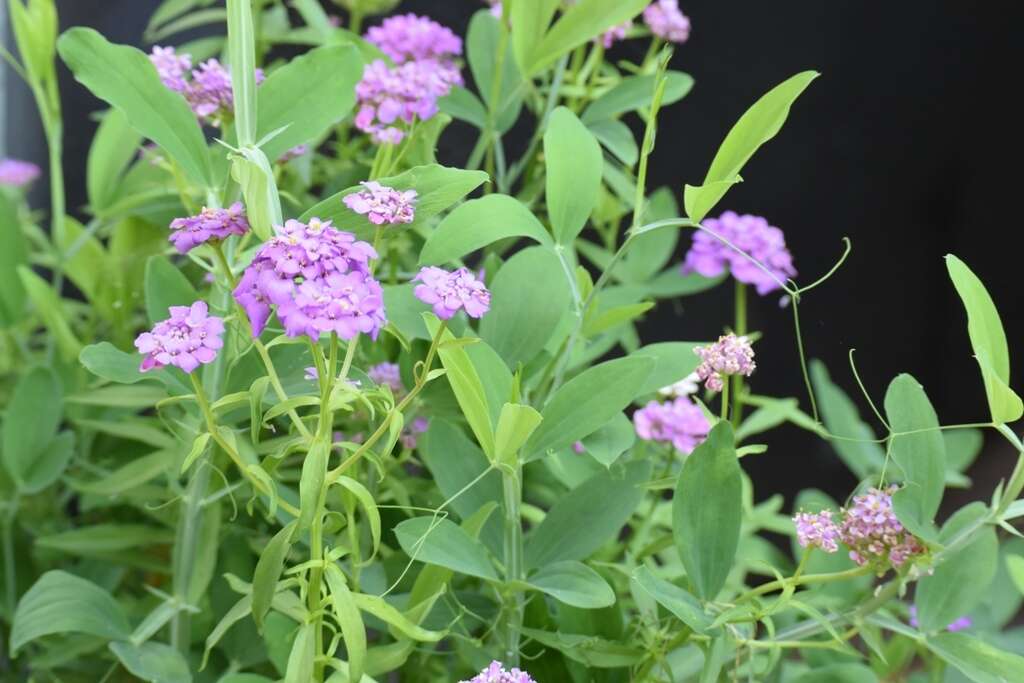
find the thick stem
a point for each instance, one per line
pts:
(513, 544)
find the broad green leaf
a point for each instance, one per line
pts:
(921, 455)
(531, 19)
(400, 623)
(142, 430)
(463, 105)
(673, 598)
(758, 125)
(50, 463)
(839, 673)
(50, 309)
(436, 540)
(238, 611)
(311, 484)
(307, 96)
(523, 318)
(13, 256)
(34, 24)
(31, 420)
(608, 319)
(113, 149)
(108, 362)
(303, 652)
(961, 582)
(135, 473)
(581, 22)
(673, 361)
(1015, 568)
(348, 617)
(589, 516)
(857, 446)
(124, 77)
(478, 223)
(635, 93)
(707, 511)
(268, 571)
(610, 441)
(988, 341)
(979, 661)
(166, 286)
(482, 37)
(591, 651)
(585, 403)
(574, 165)
(617, 138)
(63, 603)
(90, 541)
(154, 662)
(515, 425)
(573, 583)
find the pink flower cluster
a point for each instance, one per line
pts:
(447, 292)
(188, 338)
(406, 92)
(389, 375)
(753, 236)
(17, 173)
(217, 224)
(382, 204)
(209, 92)
(680, 422)
(408, 37)
(496, 673)
(869, 528)
(667, 22)
(319, 279)
(172, 67)
(730, 355)
(615, 33)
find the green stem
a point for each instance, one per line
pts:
(740, 331)
(513, 544)
(799, 579)
(10, 569)
(1016, 483)
(725, 401)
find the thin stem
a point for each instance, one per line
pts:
(513, 544)
(725, 401)
(1016, 483)
(740, 331)
(804, 580)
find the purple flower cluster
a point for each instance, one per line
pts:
(447, 292)
(319, 279)
(411, 432)
(615, 33)
(817, 530)
(217, 224)
(496, 673)
(873, 533)
(730, 355)
(172, 67)
(382, 204)
(389, 375)
(959, 624)
(408, 37)
(17, 173)
(752, 235)
(680, 422)
(406, 92)
(188, 338)
(293, 153)
(666, 21)
(209, 91)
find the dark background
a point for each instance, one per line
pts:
(907, 144)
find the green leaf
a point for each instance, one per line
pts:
(109, 362)
(198, 448)
(30, 425)
(585, 403)
(581, 22)
(89, 541)
(311, 484)
(515, 425)
(610, 441)
(34, 26)
(50, 463)
(63, 603)
(531, 20)
(961, 582)
(113, 149)
(242, 58)
(589, 516)
(673, 361)
(302, 655)
(251, 170)
(979, 661)
(617, 138)
(574, 165)
(369, 505)
(573, 583)
(772, 412)
(707, 511)
(857, 447)
(351, 621)
(124, 77)
(154, 662)
(591, 651)
(307, 97)
(673, 598)
(166, 286)
(522, 318)
(635, 93)
(463, 105)
(50, 308)
(436, 540)
(988, 341)
(135, 473)
(839, 673)
(758, 125)
(13, 256)
(268, 571)
(476, 224)
(483, 35)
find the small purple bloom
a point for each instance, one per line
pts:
(172, 67)
(410, 434)
(311, 374)
(680, 422)
(958, 624)
(447, 292)
(874, 534)
(496, 673)
(578, 448)
(17, 173)
(496, 8)
(404, 93)
(730, 355)
(752, 235)
(187, 339)
(389, 375)
(382, 204)
(615, 33)
(817, 530)
(408, 37)
(293, 153)
(210, 224)
(666, 21)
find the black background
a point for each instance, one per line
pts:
(907, 144)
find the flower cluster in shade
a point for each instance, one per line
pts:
(17, 173)
(709, 256)
(869, 528)
(959, 624)
(496, 673)
(448, 292)
(319, 280)
(667, 22)
(387, 375)
(382, 204)
(730, 355)
(217, 224)
(189, 338)
(208, 91)
(615, 34)
(679, 422)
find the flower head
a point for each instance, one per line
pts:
(447, 292)
(730, 355)
(409, 91)
(207, 88)
(17, 173)
(680, 422)
(389, 375)
(188, 338)
(753, 236)
(408, 37)
(615, 33)
(411, 432)
(496, 673)
(817, 530)
(874, 534)
(172, 67)
(382, 204)
(319, 279)
(209, 224)
(666, 21)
